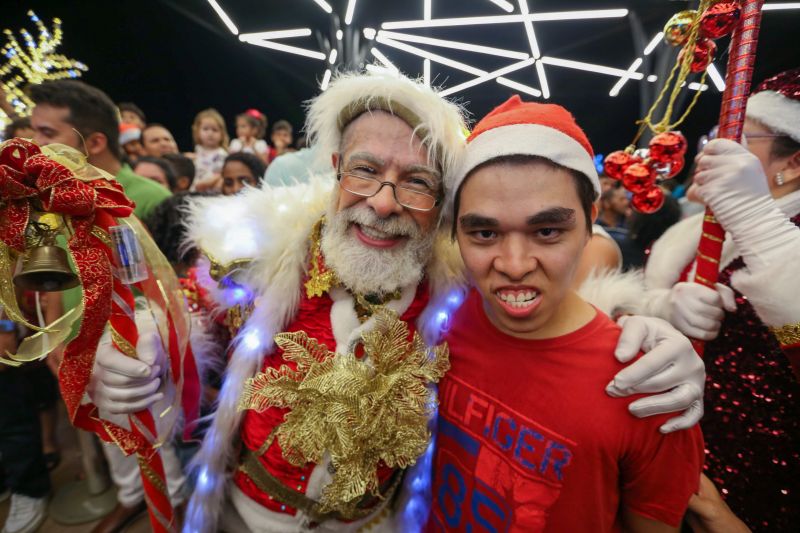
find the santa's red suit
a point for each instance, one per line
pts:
(752, 420)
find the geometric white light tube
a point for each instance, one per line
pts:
(224, 16)
(505, 19)
(600, 69)
(444, 43)
(286, 48)
(488, 76)
(277, 34)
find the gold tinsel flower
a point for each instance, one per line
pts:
(360, 411)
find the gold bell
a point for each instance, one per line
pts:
(46, 269)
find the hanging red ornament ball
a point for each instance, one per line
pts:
(671, 168)
(667, 145)
(649, 201)
(719, 19)
(703, 54)
(638, 178)
(615, 163)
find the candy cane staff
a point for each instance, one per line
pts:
(53, 190)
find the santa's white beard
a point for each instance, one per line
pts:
(368, 270)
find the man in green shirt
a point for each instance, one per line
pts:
(73, 113)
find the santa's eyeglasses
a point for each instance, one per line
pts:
(413, 192)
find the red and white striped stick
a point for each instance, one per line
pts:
(731, 119)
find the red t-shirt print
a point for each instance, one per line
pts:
(529, 441)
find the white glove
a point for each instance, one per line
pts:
(123, 385)
(669, 366)
(731, 181)
(697, 311)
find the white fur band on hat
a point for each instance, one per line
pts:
(528, 139)
(441, 123)
(129, 134)
(775, 111)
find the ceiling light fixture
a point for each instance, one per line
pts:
(224, 16)
(590, 67)
(716, 77)
(617, 86)
(325, 6)
(508, 7)
(506, 19)
(277, 34)
(457, 45)
(326, 79)
(313, 54)
(348, 16)
(653, 43)
(777, 7)
(487, 77)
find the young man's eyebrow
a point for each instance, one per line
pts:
(472, 221)
(554, 215)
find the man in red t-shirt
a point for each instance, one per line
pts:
(527, 440)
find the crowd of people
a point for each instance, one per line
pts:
(559, 305)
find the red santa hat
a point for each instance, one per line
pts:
(776, 104)
(128, 133)
(527, 128)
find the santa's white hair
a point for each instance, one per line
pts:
(440, 124)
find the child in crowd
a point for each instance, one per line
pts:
(210, 149)
(250, 129)
(130, 139)
(241, 169)
(281, 138)
(131, 113)
(527, 439)
(185, 171)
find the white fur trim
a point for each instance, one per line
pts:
(272, 219)
(771, 291)
(614, 292)
(670, 254)
(528, 139)
(775, 111)
(442, 121)
(129, 134)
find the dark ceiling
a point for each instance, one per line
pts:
(175, 57)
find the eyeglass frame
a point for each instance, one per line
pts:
(712, 134)
(339, 173)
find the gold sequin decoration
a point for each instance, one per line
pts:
(319, 281)
(787, 335)
(236, 316)
(360, 411)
